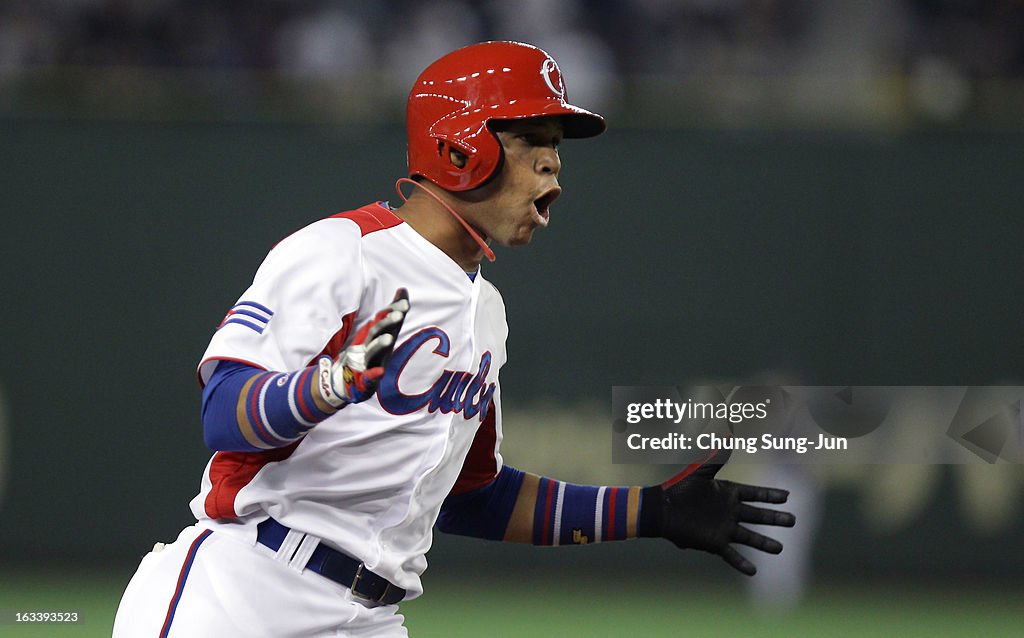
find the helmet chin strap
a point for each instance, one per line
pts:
(472, 233)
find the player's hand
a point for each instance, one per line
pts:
(695, 510)
(354, 375)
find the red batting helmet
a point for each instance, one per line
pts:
(455, 98)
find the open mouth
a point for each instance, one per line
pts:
(543, 203)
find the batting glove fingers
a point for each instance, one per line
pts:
(354, 375)
(695, 510)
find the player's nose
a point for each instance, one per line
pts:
(548, 162)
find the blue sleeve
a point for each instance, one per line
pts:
(483, 513)
(220, 402)
(247, 409)
(553, 512)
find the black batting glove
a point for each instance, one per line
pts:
(695, 510)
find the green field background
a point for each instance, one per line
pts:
(600, 604)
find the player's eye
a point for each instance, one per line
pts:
(539, 139)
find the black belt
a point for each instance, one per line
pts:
(337, 566)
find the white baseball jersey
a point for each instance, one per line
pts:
(370, 479)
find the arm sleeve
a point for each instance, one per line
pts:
(248, 409)
(484, 512)
(525, 508)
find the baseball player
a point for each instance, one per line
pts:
(352, 399)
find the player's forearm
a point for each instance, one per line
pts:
(550, 512)
(248, 409)
(526, 508)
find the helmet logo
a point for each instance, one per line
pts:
(552, 77)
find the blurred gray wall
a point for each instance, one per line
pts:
(673, 256)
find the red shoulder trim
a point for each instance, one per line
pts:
(371, 218)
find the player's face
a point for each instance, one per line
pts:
(516, 202)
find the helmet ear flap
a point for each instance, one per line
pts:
(481, 164)
(495, 159)
(452, 154)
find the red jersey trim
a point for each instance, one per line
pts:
(337, 342)
(231, 471)
(371, 218)
(481, 465)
